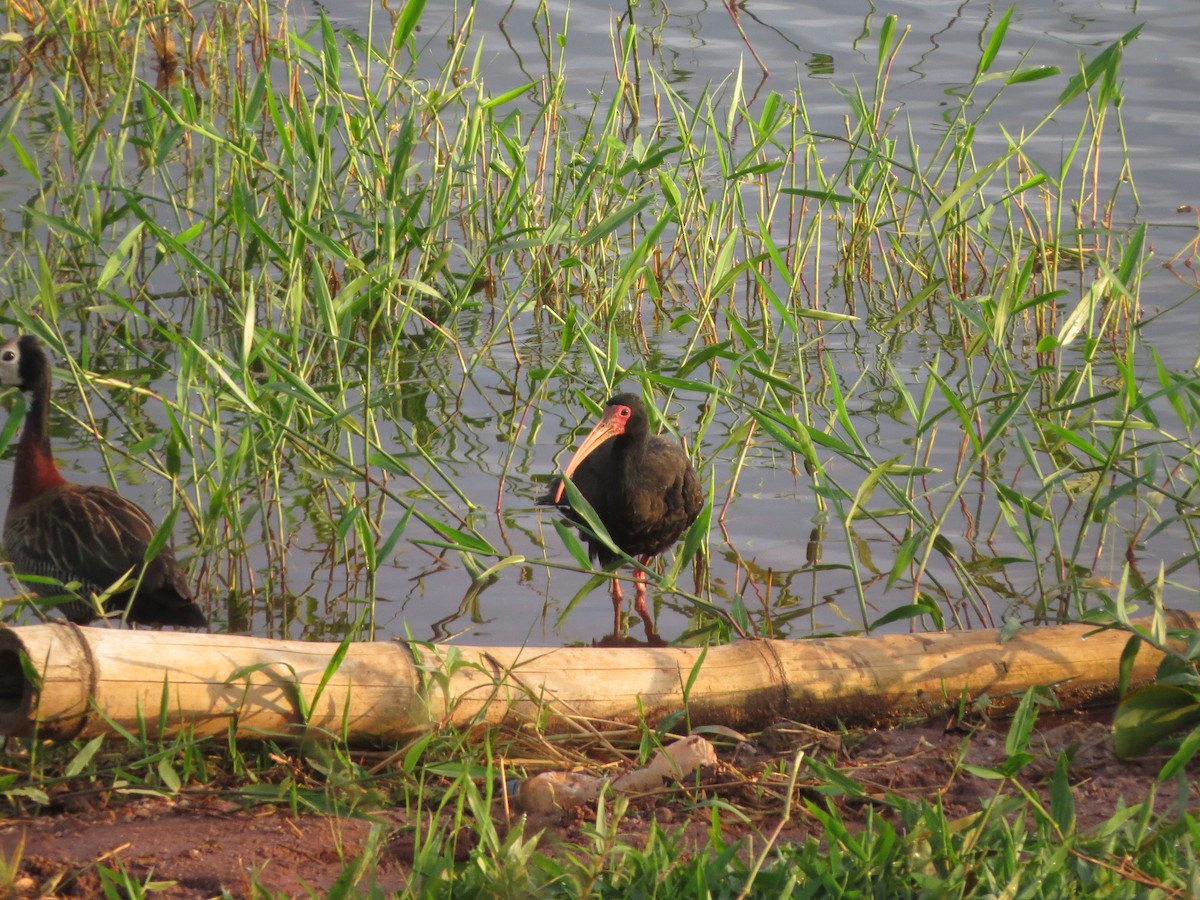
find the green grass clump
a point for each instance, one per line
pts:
(813, 831)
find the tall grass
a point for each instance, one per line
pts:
(305, 294)
(286, 273)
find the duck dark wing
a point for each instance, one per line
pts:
(93, 535)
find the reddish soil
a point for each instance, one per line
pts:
(205, 844)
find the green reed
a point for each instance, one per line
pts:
(271, 276)
(316, 244)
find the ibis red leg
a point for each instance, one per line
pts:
(639, 600)
(618, 600)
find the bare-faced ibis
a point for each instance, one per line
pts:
(80, 533)
(642, 487)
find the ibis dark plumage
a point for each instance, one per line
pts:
(642, 487)
(80, 533)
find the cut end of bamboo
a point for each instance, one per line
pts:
(16, 690)
(62, 681)
(33, 657)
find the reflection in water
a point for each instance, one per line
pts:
(468, 607)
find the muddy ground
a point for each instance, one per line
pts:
(205, 844)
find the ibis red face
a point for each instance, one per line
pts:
(612, 425)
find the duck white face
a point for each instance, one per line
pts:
(10, 363)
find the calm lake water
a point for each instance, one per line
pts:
(822, 45)
(759, 550)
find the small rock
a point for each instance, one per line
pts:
(743, 753)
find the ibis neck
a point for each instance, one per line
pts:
(35, 470)
(628, 453)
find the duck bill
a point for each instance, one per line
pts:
(608, 427)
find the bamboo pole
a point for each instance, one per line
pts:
(62, 681)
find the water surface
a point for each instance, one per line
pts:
(482, 432)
